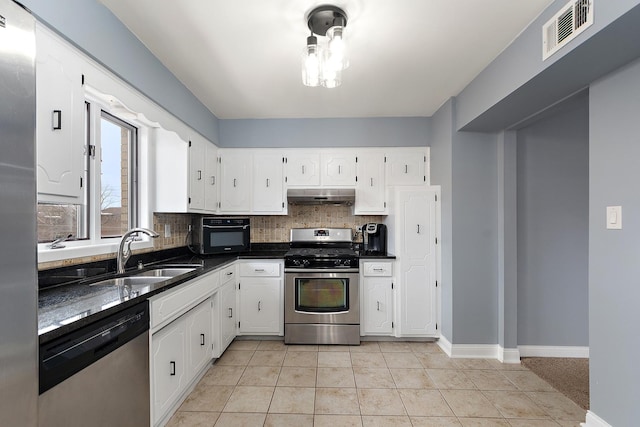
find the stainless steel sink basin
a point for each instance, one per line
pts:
(165, 272)
(133, 282)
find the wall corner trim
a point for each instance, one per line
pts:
(445, 345)
(508, 355)
(592, 420)
(553, 351)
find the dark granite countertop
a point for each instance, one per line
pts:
(67, 301)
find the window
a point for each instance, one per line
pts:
(110, 205)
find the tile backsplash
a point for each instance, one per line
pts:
(264, 229)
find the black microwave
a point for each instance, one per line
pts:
(218, 235)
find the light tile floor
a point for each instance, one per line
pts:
(268, 383)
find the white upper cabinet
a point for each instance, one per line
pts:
(338, 168)
(268, 183)
(303, 168)
(408, 166)
(59, 120)
(371, 194)
(235, 181)
(185, 173)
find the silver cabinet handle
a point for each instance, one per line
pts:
(372, 182)
(378, 305)
(378, 269)
(201, 339)
(259, 270)
(302, 169)
(406, 168)
(56, 119)
(172, 366)
(213, 180)
(230, 273)
(418, 228)
(234, 182)
(230, 312)
(339, 169)
(259, 308)
(199, 175)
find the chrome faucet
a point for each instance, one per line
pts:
(124, 251)
(57, 244)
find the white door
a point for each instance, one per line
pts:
(198, 326)
(303, 168)
(59, 120)
(235, 181)
(378, 306)
(168, 359)
(268, 183)
(338, 169)
(370, 186)
(260, 307)
(417, 259)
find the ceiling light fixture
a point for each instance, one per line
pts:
(322, 64)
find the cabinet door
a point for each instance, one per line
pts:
(378, 306)
(268, 183)
(197, 174)
(211, 178)
(338, 169)
(406, 166)
(168, 367)
(59, 120)
(417, 212)
(228, 314)
(303, 169)
(198, 329)
(235, 181)
(370, 185)
(260, 305)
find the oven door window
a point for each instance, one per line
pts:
(322, 295)
(226, 238)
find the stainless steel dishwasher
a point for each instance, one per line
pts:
(98, 375)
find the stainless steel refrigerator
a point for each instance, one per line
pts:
(18, 247)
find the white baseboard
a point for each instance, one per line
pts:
(479, 351)
(553, 351)
(508, 355)
(445, 345)
(592, 420)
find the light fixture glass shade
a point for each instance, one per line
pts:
(337, 47)
(331, 72)
(311, 63)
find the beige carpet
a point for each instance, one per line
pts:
(569, 376)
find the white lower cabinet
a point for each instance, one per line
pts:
(261, 298)
(199, 336)
(227, 315)
(168, 358)
(377, 298)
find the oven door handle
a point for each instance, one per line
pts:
(227, 227)
(303, 271)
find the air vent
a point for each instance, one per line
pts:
(571, 20)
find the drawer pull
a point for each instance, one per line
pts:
(378, 269)
(259, 308)
(259, 270)
(201, 339)
(230, 273)
(230, 312)
(172, 365)
(378, 305)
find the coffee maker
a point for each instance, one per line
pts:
(374, 239)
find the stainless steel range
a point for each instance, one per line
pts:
(322, 303)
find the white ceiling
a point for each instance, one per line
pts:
(242, 58)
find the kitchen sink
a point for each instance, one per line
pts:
(165, 272)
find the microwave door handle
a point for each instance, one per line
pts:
(227, 227)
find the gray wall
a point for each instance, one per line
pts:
(474, 241)
(371, 132)
(614, 267)
(94, 29)
(553, 215)
(441, 138)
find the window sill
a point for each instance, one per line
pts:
(78, 250)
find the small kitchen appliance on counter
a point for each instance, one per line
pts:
(374, 239)
(321, 296)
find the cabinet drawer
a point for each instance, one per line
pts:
(228, 273)
(377, 268)
(254, 269)
(167, 307)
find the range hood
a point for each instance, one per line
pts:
(321, 196)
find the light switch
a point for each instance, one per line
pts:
(167, 230)
(614, 217)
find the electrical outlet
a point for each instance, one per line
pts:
(167, 230)
(359, 229)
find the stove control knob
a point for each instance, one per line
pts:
(295, 262)
(305, 262)
(337, 263)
